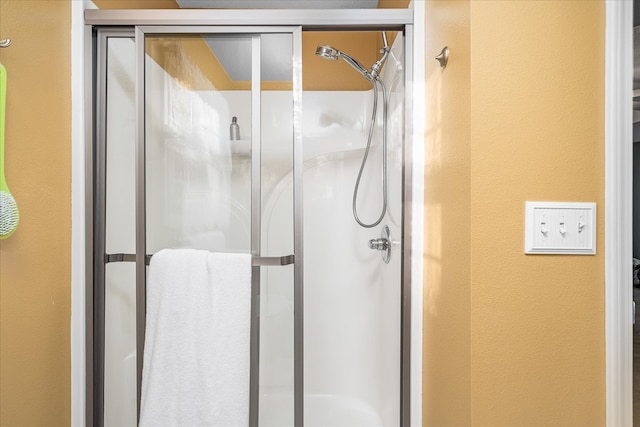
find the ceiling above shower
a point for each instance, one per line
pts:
(278, 4)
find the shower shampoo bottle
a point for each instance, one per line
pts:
(234, 129)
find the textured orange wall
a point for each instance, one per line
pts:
(536, 323)
(537, 126)
(447, 269)
(35, 261)
(530, 350)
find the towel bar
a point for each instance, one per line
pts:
(255, 261)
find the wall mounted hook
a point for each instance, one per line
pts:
(443, 57)
(5, 43)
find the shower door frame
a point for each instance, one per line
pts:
(183, 21)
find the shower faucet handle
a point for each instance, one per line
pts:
(383, 244)
(379, 244)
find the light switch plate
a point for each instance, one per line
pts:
(560, 228)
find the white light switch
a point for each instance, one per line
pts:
(560, 228)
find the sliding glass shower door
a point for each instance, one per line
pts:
(200, 125)
(196, 142)
(214, 151)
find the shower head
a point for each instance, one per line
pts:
(328, 52)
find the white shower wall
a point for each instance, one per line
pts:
(352, 319)
(199, 196)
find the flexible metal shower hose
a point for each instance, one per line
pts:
(375, 83)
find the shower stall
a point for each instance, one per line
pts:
(313, 180)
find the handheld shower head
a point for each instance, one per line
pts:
(328, 52)
(331, 53)
(373, 77)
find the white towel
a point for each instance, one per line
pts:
(196, 355)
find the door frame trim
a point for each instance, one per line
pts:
(309, 18)
(618, 212)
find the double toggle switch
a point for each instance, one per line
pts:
(560, 228)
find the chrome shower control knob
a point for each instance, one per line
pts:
(383, 244)
(379, 244)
